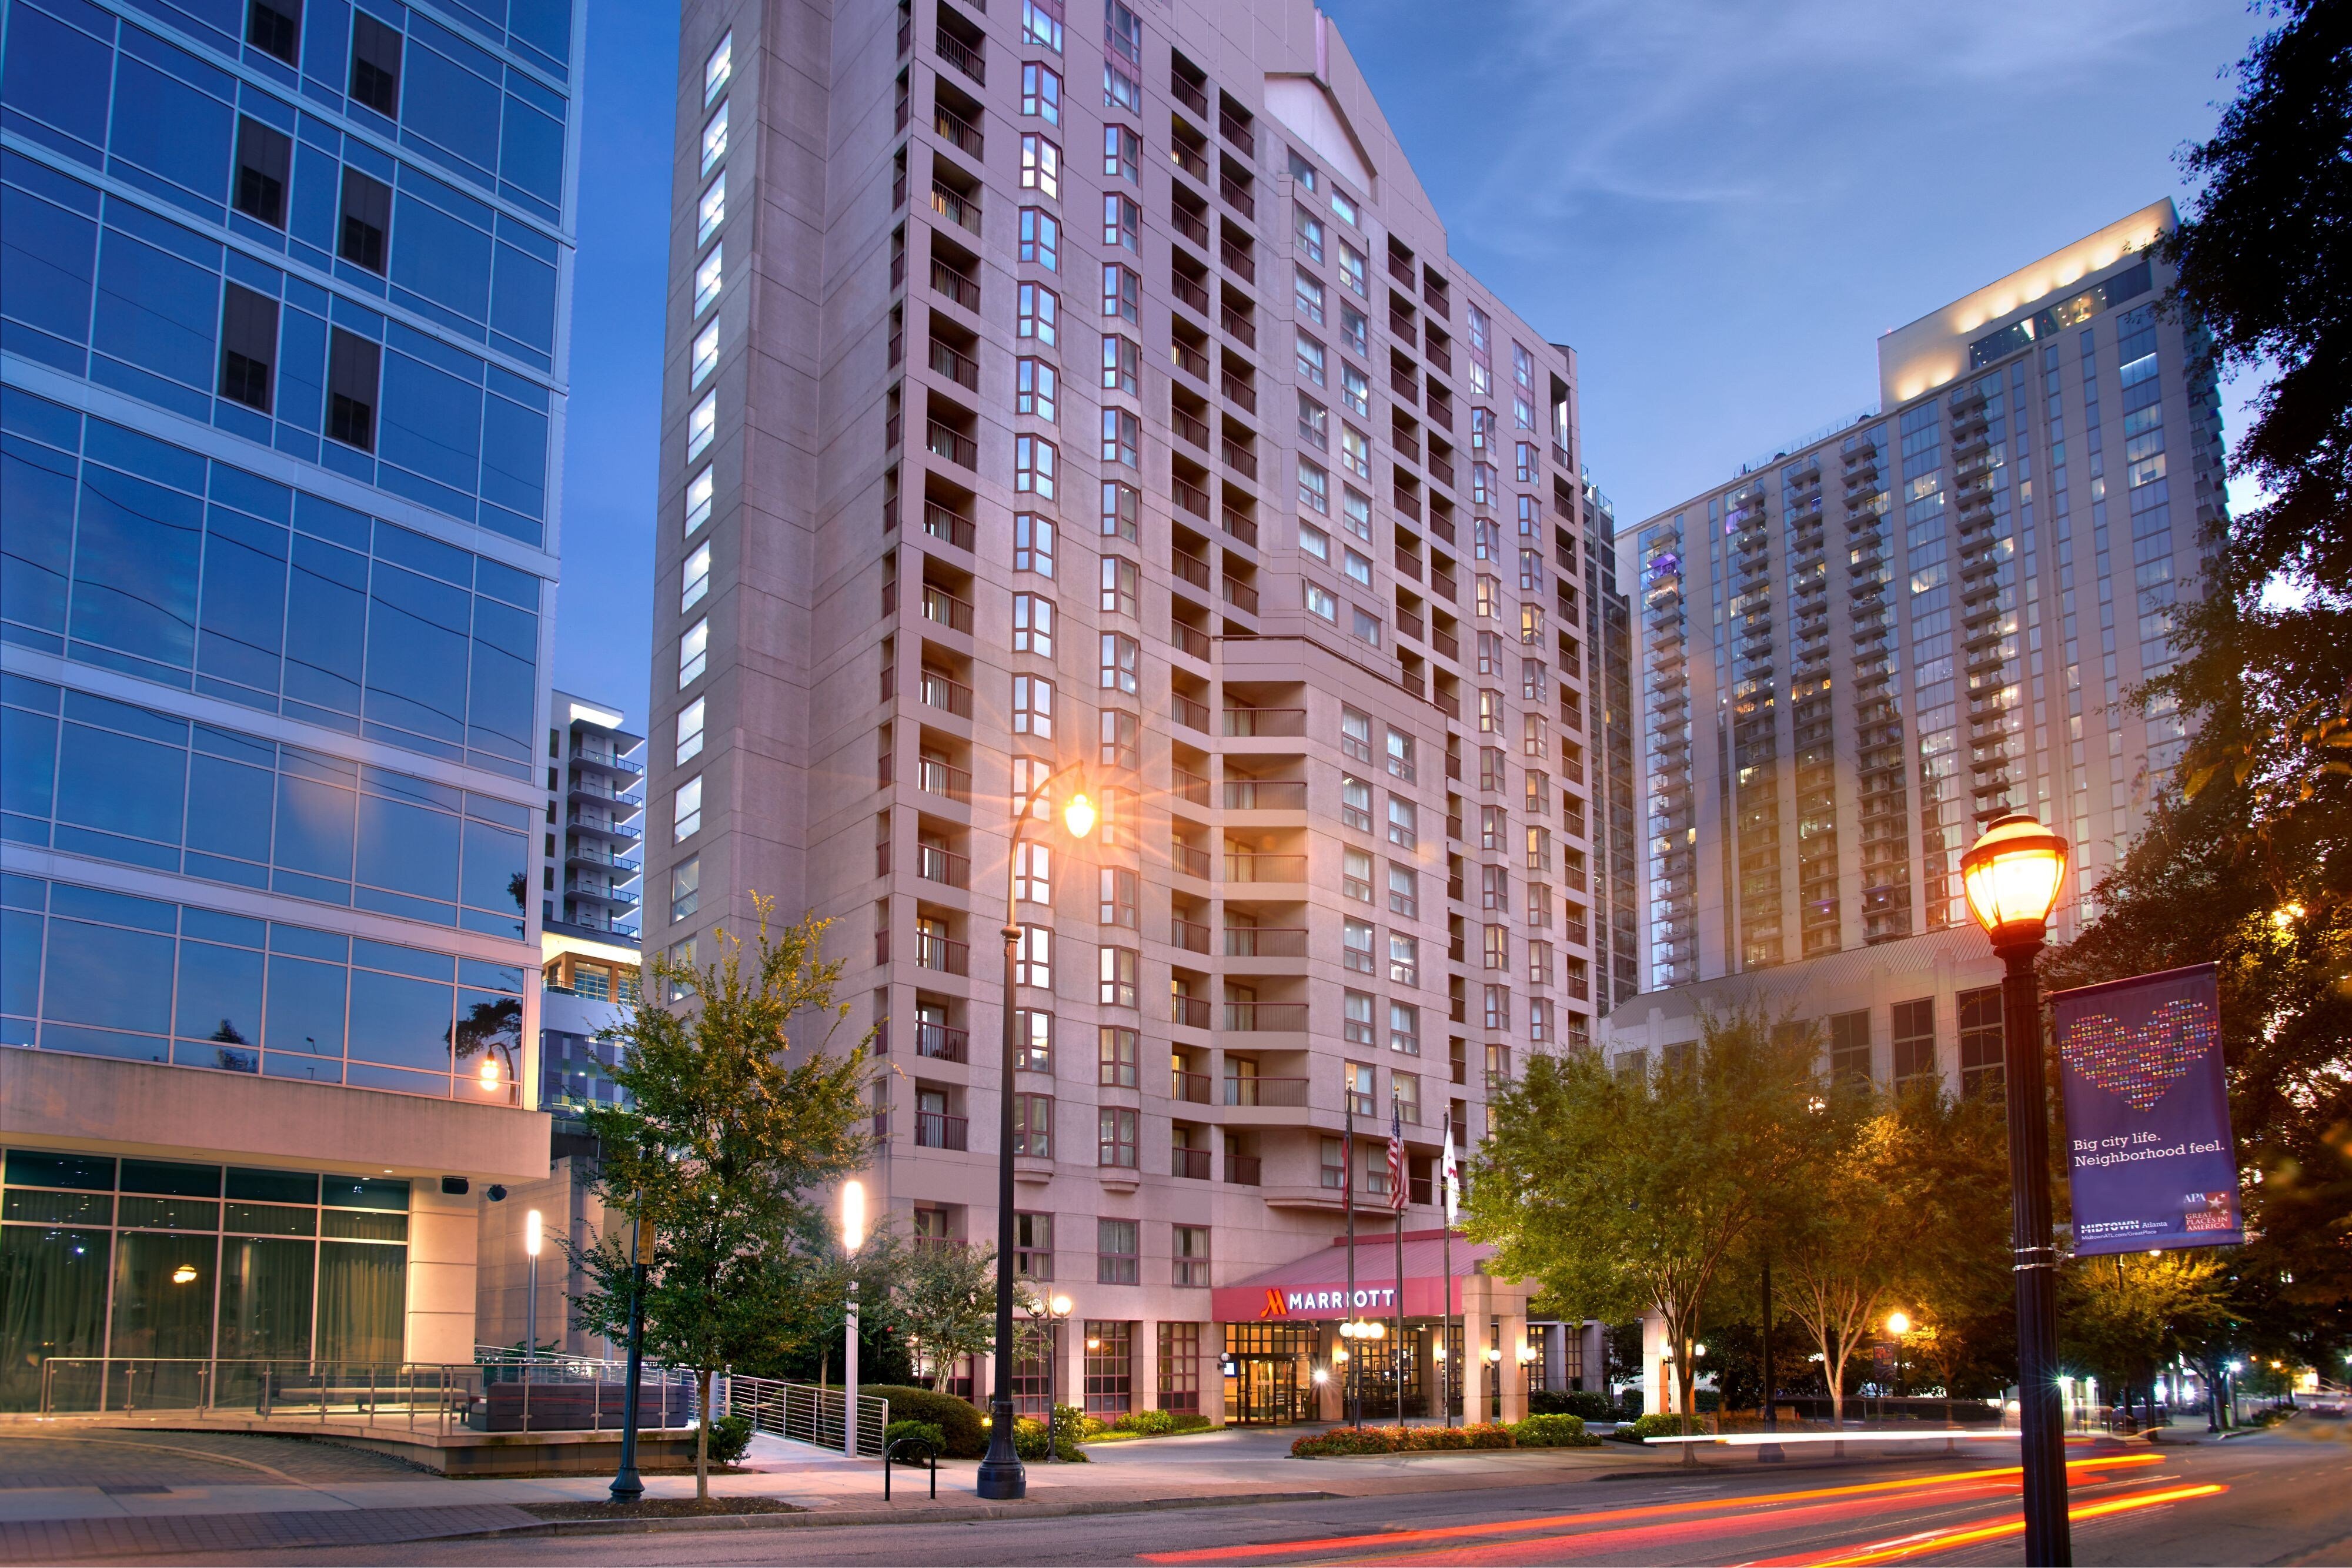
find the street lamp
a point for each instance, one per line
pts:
(1002, 1477)
(530, 1245)
(1056, 1310)
(2012, 877)
(853, 1237)
(1358, 1329)
(1898, 1323)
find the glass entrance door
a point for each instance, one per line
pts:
(1266, 1391)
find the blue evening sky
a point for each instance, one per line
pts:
(1721, 206)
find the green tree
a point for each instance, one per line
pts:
(1844, 1256)
(1621, 1195)
(2121, 1318)
(737, 1110)
(944, 1302)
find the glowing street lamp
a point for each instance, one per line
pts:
(2012, 877)
(853, 1237)
(532, 1240)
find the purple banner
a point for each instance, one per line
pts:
(2150, 1158)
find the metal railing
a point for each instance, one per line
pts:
(508, 1395)
(804, 1413)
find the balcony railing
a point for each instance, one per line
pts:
(1260, 1017)
(1190, 934)
(1195, 641)
(1193, 1088)
(945, 694)
(1188, 566)
(946, 280)
(1238, 198)
(1190, 712)
(1276, 1091)
(944, 609)
(945, 954)
(937, 1130)
(959, 368)
(1192, 1164)
(957, 208)
(1187, 784)
(966, 58)
(1245, 865)
(941, 1042)
(943, 524)
(1265, 795)
(1190, 859)
(1193, 1012)
(1251, 723)
(1265, 942)
(1240, 526)
(959, 131)
(941, 441)
(1242, 1170)
(933, 863)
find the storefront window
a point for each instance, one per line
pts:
(1110, 1368)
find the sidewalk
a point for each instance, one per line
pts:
(71, 1490)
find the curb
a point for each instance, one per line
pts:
(822, 1517)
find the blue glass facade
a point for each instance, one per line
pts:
(282, 286)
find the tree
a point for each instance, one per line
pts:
(736, 1110)
(1625, 1196)
(944, 1302)
(2121, 1318)
(1847, 1254)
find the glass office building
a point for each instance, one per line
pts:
(283, 286)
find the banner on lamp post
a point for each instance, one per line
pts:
(2150, 1161)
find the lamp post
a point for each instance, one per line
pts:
(1898, 1323)
(1002, 1477)
(626, 1486)
(1057, 1311)
(853, 1237)
(1360, 1330)
(2012, 877)
(532, 1240)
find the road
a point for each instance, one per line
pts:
(2267, 1500)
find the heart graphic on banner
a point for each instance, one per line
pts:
(2141, 1063)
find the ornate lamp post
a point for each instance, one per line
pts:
(2013, 876)
(1057, 1311)
(1002, 1477)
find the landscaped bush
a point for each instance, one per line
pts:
(1629, 1406)
(922, 1431)
(1660, 1424)
(1344, 1440)
(958, 1422)
(1069, 1427)
(1585, 1402)
(1160, 1423)
(730, 1438)
(1552, 1431)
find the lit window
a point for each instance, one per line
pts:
(698, 491)
(714, 140)
(687, 819)
(695, 576)
(1356, 452)
(1041, 166)
(693, 649)
(718, 67)
(705, 354)
(689, 731)
(701, 425)
(713, 210)
(1356, 387)
(707, 278)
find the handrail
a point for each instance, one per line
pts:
(806, 1413)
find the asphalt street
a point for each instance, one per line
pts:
(2273, 1498)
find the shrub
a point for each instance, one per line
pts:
(1342, 1440)
(1551, 1431)
(1584, 1403)
(1660, 1424)
(1147, 1422)
(730, 1438)
(1630, 1405)
(958, 1422)
(922, 1431)
(1029, 1435)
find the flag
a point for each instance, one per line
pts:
(1396, 1156)
(1451, 1176)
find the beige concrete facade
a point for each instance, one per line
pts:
(1324, 663)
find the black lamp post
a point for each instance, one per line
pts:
(1002, 1477)
(2013, 876)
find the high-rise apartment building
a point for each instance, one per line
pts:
(282, 381)
(591, 837)
(1616, 852)
(1858, 653)
(1094, 386)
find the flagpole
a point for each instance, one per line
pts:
(1400, 1181)
(1445, 1306)
(1347, 1149)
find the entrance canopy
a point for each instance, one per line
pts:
(1315, 1287)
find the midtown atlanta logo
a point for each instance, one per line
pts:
(1281, 1304)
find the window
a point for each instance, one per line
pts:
(1122, 157)
(693, 648)
(1122, 365)
(701, 425)
(1032, 959)
(1401, 754)
(1117, 897)
(1121, 656)
(353, 366)
(685, 887)
(1487, 596)
(1314, 542)
(705, 355)
(1354, 452)
(1033, 1136)
(1118, 1130)
(1355, 389)
(1121, 580)
(689, 731)
(1982, 1071)
(1033, 544)
(1538, 905)
(1314, 423)
(1538, 795)
(1308, 289)
(1310, 358)
(1404, 959)
(1034, 466)
(1122, 221)
(1041, 93)
(275, 27)
(1352, 270)
(1314, 487)
(1356, 735)
(1355, 1015)
(1355, 333)
(1029, 775)
(1033, 874)
(1033, 1234)
(1490, 769)
(1850, 1047)
(1534, 675)
(718, 67)
(1122, 510)
(1531, 571)
(1032, 707)
(1540, 963)
(366, 220)
(1115, 970)
(1122, 292)
(264, 159)
(1041, 23)
(1403, 828)
(1356, 945)
(1355, 803)
(1121, 90)
(709, 278)
(1915, 1040)
(1307, 229)
(1034, 385)
(1497, 1012)
(712, 211)
(686, 816)
(1033, 1040)
(248, 346)
(1482, 430)
(1356, 1079)
(1117, 1058)
(1538, 848)
(1494, 828)
(1041, 238)
(1356, 511)
(1494, 887)
(1356, 875)
(1498, 948)
(1033, 624)
(375, 65)
(1539, 1031)
(693, 576)
(1122, 438)
(1320, 602)
(1040, 313)
(1118, 740)
(1404, 890)
(1041, 166)
(1190, 1247)
(714, 140)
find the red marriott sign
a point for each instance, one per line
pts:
(1326, 1303)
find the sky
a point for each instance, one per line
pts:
(1719, 203)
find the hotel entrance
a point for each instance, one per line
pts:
(1269, 1374)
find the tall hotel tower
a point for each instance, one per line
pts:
(1858, 653)
(282, 377)
(1095, 387)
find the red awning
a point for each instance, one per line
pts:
(1315, 1287)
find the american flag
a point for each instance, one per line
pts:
(1396, 1156)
